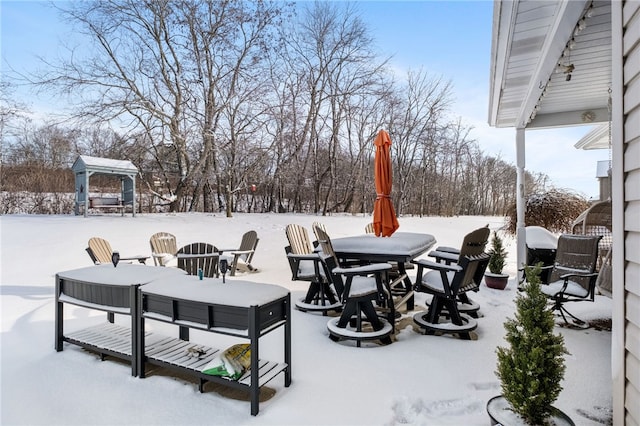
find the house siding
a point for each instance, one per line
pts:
(631, 190)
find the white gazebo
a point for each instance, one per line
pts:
(86, 166)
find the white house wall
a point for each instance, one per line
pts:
(630, 261)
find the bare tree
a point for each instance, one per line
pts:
(210, 97)
(167, 69)
(13, 118)
(418, 111)
(332, 49)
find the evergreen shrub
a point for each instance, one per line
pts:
(532, 367)
(498, 254)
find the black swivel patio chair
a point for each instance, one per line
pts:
(359, 287)
(573, 274)
(475, 243)
(306, 265)
(447, 281)
(542, 246)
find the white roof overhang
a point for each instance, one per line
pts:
(597, 138)
(550, 63)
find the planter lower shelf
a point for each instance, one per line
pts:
(500, 412)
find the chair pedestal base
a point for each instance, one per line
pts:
(317, 306)
(319, 298)
(576, 322)
(468, 324)
(352, 333)
(468, 307)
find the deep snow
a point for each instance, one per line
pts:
(418, 380)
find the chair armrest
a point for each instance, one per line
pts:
(589, 275)
(542, 268)
(446, 256)
(161, 255)
(565, 278)
(445, 249)
(437, 266)
(239, 252)
(135, 257)
(306, 256)
(362, 270)
(92, 256)
(296, 259)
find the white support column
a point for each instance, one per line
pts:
(521, 257)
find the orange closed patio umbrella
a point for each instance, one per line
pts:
(385, 222)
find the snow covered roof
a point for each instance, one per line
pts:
(103, 165)
(603, 168)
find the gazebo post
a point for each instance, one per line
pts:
(86, 193)
(133, 201)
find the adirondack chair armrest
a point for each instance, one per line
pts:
(239, 252)
(305, 256)
(140, 258)
(92, 256)
(224, 250)
(161, 255)
(163, 259)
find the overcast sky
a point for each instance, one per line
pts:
(449, 39)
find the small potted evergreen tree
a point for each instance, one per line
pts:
(532, 367)
(495, 278)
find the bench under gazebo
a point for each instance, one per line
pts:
(86, 166)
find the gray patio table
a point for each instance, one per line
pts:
(400, 247)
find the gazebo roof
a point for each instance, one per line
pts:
(104, 165)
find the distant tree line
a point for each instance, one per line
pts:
(212, 97)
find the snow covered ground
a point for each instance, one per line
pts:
(417, 380)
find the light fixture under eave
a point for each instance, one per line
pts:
(589, 13)
(588, 116)
(581, 25)
(566, 69)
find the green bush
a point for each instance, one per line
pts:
(498, 254)
(532, 366)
